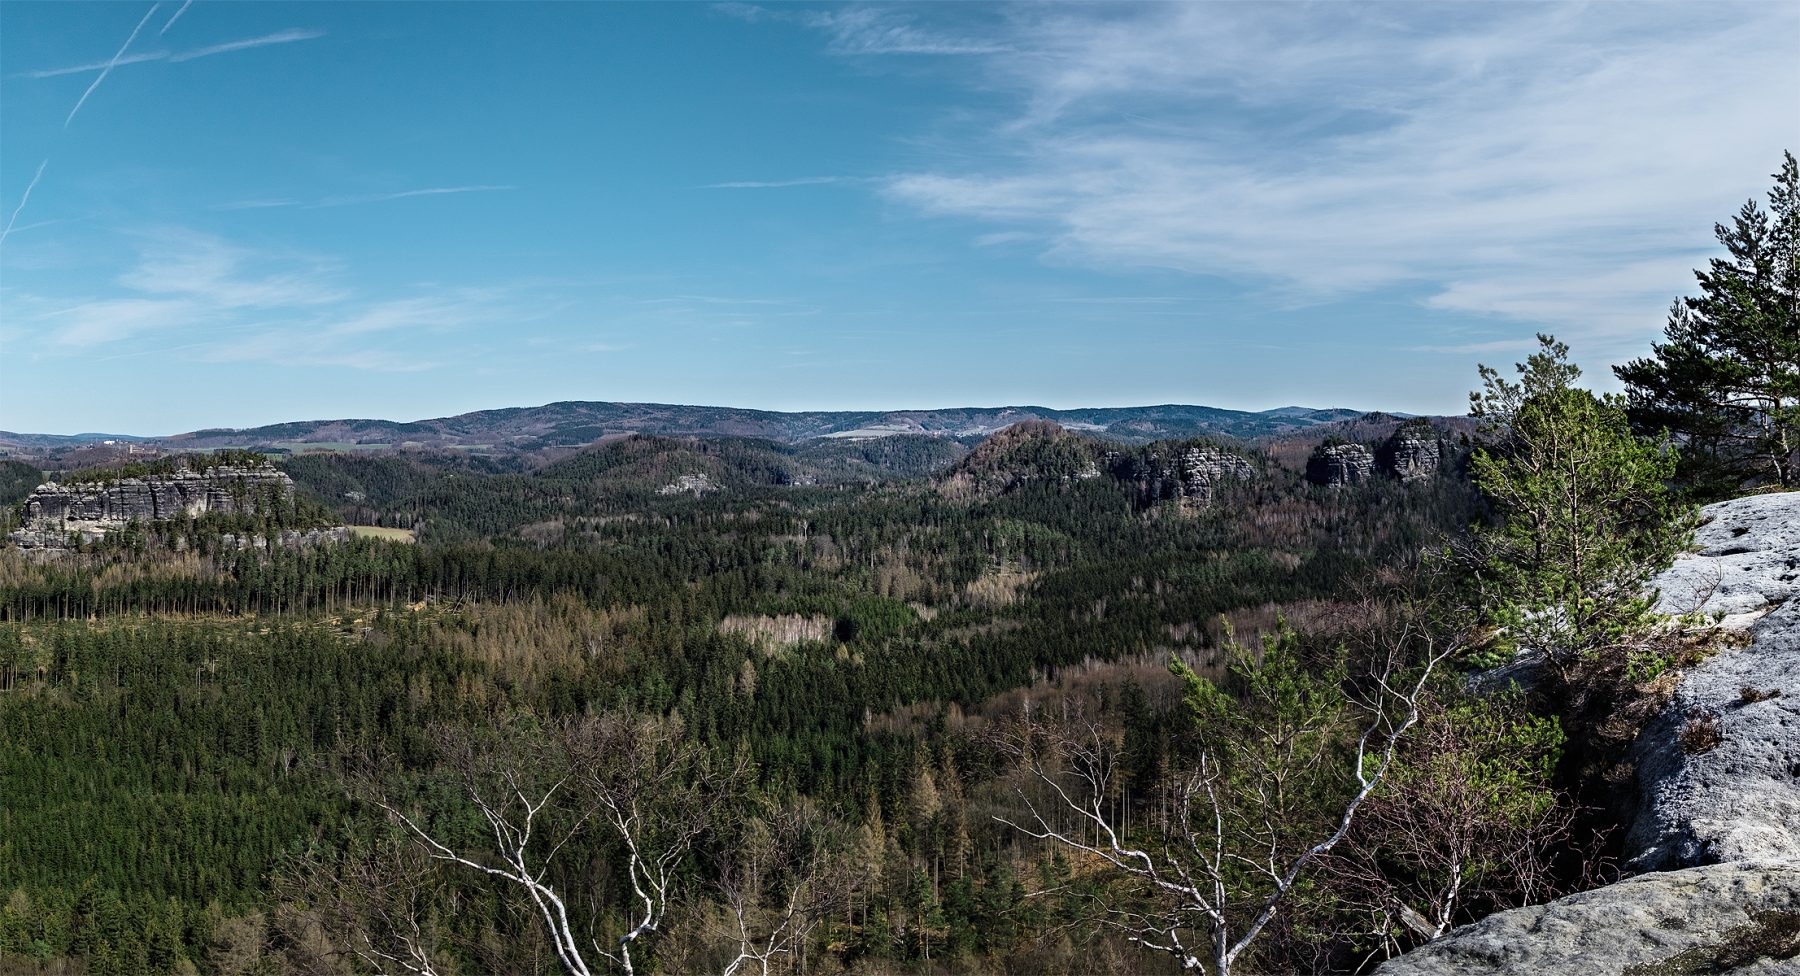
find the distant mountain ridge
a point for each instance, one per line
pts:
(575, 423)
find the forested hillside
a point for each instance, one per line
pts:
(184, 728)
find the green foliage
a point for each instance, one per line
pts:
(1275, 731)
(1585, 517)
(17, 479)
(182, 743)
(1727, 376)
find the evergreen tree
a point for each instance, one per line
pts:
(1585, 515)
(1728, 377)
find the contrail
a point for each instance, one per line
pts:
(172, 20)
(109, 65)
(21, 207)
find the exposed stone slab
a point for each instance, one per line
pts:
(1738, 799)
(1741, 918)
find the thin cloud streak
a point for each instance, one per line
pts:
(165, 28)
(430, 191)
(866, 30)
(351, 201)
(111, 64)
(80, 69)
(4, 233)
(775, 184)
(288, 36)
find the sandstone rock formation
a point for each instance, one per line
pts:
(1337, 465)
(1203, 469)
(1192, 474)
(54, 511)
(1412, 452)
(287, 538)
(1740, 798)
(1741, 918)
(1718, 824)
(697, 484)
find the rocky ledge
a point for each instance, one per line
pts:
(1741, 918)
(1193, 475)
(1719, 768)
(54, 512)
(1414, 452)
(1338, 465)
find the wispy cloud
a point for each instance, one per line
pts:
(177, 16)
(110, 64)
(217, 301)
(1553, 166)
(288, 36)
(870, 29)
(255, 204)
(875, 30)
(775, 184)
(23, 197)
(354, 200)
(81, 69)
(430, 191)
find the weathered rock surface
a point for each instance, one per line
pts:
(1718, 824)
(54, 511)
(1203, 469)
(1192, 474)
(697, 484)
(288, 538)
(1741, 918)
(1412, 452)
(1337, 465)
(1747, 560)
(221, 489)
(1739, 799)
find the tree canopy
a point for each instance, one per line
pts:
(1727, 377)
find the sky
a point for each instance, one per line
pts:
(234, 214)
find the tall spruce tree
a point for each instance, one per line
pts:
(1727, 380)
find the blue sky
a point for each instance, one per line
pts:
(233, 214)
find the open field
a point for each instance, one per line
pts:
(383, 532)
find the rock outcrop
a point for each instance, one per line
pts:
(1412, 452)
(1741, 918)
(287, 538)
(1193, 475)
(1719, 768)
(54, 512)
(695, 484)
(1338, 465)
(1204, 469)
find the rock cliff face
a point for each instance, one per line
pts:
(1412, 452)
(1192, 474)
(1740, 798)
(1338, 465)
(1718, 824)
(54, 511)
(1741, 918)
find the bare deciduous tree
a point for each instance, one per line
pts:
(1299, 749)
(638, 786)
(373, 902)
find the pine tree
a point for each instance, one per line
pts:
(1585, 515)
(1727, 380)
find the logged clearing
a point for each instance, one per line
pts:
(383, 532)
